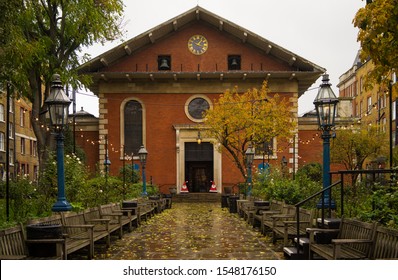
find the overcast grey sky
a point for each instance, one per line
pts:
(320, 31)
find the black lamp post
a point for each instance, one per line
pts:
(132, 167)
(326, 105)
(107, 162)
(58, 104)
(249, 161)
(143, 154)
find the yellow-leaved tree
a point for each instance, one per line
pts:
(378, 34)
(254, 116)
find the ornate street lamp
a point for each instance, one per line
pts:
(326, 105)
(143, 154)
(249, 161)
(58, 104)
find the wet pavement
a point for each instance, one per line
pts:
(193, 231)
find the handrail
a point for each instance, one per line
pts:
(297, 205)
(341, 182)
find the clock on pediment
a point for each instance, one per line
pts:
(198, 44)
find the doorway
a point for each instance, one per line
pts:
(198, 166)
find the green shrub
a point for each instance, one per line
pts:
(278, 187)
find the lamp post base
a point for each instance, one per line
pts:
(61, 206)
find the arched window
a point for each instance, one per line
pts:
(133, 136)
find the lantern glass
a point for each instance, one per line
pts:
(326, 104)
(249, 155)
(143, 154)
(58, 103)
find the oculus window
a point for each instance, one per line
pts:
(195, 107)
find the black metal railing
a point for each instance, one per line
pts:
(372, 172)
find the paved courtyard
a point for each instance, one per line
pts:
(193, 231)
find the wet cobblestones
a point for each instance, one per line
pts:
(193, 231)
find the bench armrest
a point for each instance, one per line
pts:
(348, 241)
(326, 230)
(79, 226)
(282, 216)
(33, 241)
(337, 244)
(112, 214)
(295, 222)
(99, 221)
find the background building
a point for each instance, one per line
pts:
(23, 159)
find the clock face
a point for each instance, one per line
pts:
(198, 44)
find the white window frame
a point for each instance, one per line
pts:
(2, 115)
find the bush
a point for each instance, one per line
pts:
(312, 170)
(276, 186)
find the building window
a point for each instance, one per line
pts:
(33, 151)
(22, 146)
(2, 141)
(22, 116)
(35, 173)
(164, 62)
(369, 104)
(234, 62)
(133, 134)
(2, 118)
(196, 106)
(11, 105)
(10, 131)
(265, 149)
(11, 157)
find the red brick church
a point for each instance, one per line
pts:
(153, 89)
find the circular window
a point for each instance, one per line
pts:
(196, 106)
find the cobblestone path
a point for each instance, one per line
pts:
(193, 231)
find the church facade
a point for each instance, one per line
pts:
(154, 87)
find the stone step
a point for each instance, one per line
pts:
(291, 253)
(197, 197)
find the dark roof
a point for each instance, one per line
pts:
(82, 114)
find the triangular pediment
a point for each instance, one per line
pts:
(275, 61)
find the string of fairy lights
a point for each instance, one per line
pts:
(116, 149)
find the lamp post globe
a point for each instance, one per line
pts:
(58, 103)
(143, 154)
(326, 106)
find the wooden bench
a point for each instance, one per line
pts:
(131, 213)
(134, 210)
(287, 229)
(271, 219)
(146, 209)
(247, 209)
(159, 203)
(275, 208)
(354, 241)
(386, 244)
(103, 224)
(239, 206)
(77, 236)
(116, 215)
(13, 245)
